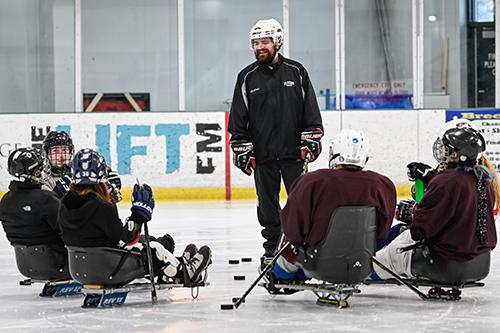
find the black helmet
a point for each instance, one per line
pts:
(57, 138)
(27, 164)
(466, 142)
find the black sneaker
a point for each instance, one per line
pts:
(194, 266)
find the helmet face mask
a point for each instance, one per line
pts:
(58, 147)
(462, 146)
(59, 156)
(350, 148)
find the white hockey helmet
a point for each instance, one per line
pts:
(350, 147)
(267, 28)
(457, 123)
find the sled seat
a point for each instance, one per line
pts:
(105, 266)
(344, 255)
(42, 262)
(450, 272)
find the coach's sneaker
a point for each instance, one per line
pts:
(189, 251)
(194, 266)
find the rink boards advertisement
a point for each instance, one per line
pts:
(169, 150)
(186, 155)
(488, 123)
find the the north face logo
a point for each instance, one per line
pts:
(288, 83)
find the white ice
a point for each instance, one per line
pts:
(232, 231)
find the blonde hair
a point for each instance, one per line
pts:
(100, 190)
(495, 183)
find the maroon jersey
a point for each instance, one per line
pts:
(447, 216)
(316, 195)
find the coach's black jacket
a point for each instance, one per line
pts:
(29, 215)
(272, 105)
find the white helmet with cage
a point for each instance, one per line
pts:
(350, 147)
(267, 28)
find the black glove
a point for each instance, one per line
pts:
(404, 211)
(417, 170)
(62, 185)
(143, 201)
(243, 156)
(114, 185)
(310, 143)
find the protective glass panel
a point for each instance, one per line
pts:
(483, 10)
(446, 58)
(131, 46)
(378, 54)
(312, 43)
(217, 47)
(36, 61)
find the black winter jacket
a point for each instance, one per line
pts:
(272, 105)
(87, 221)
(29, 215)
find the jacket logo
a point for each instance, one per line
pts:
(27, 208)
(254, 90)
(288, 83)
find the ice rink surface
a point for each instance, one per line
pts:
(232, 231)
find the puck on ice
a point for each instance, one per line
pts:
(239, 277)
(227, 306)
(233, 261)
(246, 259)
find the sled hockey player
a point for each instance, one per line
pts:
(89, 218)
(424, 172)
(28, 212)
(454, 221)
(275, 125)
(316, 195)
(58, 148)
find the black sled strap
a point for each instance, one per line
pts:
(120, 265)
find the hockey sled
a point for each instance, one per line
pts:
(445, 278)
(106, 274)
(47, 265)
(342, 260)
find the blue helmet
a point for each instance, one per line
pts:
(88, 168)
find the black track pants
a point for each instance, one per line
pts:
(267, 183)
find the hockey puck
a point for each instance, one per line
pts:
(239, 277)
(227, 306)
(236, 299)
(246, 259)
(234, 261)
